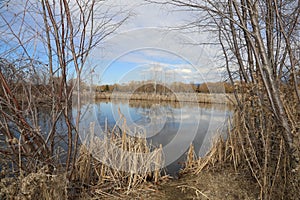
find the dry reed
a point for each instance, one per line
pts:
(255, 146)
(127, 161)
(215, 98)
(118, 162)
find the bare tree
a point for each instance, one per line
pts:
(261, 38)
(60, 35)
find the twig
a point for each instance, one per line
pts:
(194, 188)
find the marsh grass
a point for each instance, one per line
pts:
(209, 98)
(255, 147)
(118, 163)
(127, 162)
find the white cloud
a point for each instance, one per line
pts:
(154, 43)
(146, 39)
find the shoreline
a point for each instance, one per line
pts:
(210, 98)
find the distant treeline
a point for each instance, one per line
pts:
(145, 87)
(41, 92)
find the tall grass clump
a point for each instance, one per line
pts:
(118, 162)
(115, 165)
(256, 147)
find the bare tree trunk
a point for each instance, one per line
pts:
(65, 40)
(259, 37)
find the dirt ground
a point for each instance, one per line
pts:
(213, 185)
(225, 184)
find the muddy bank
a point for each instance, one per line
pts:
(178, 97)
(219, 184)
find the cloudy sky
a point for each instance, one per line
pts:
(150, 38)
(147, 44)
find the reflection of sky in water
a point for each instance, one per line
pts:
(173, 126)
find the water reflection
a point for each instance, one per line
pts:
(175, 125)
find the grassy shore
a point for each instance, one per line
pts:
(216, 98)
(93, 180)
(232, 169)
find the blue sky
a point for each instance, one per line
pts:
(129, 52)
(146, 42)
(149, 39)
(146, 64)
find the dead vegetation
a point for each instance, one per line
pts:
(126, 162)
(255, 146)
(209, 184)
(252, 162)
(260, 45)
(207, 98)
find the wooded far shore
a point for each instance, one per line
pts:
(216, 98)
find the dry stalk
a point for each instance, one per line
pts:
(20, 158)
(126, 161)
(255, 145)
(190, 157)
(197, 191)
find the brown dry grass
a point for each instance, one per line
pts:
(209, 98)
(256, 148)
(38, 185)
(251, 163)
(211, 184)
(121, 175)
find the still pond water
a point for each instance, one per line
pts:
(174, 125)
